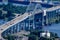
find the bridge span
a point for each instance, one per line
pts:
(20, 18)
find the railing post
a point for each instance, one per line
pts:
(18, 27)
(15, 29)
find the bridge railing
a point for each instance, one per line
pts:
(53, 8)
(14, 21)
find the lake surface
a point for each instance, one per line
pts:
(53, 28)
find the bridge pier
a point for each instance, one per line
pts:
(1, 38)
(18, 28)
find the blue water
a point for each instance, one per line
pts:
(0, 0)
(53, 28)
(56, 2)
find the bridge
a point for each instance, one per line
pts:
(13, 22)
(53, 8)
(23, 17)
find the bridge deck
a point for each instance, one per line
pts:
(13, 22)
(53, 8)
(17, 19)
(21, 18)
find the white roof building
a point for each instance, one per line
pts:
(45, 34)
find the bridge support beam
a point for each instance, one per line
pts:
(1, 38)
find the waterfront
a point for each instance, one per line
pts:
(53, 28)
(28, 19)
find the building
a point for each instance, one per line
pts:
(45, 34)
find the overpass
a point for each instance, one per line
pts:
(21, 18)
(11, 23)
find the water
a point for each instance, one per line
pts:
(53, 28)
(56, 2)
